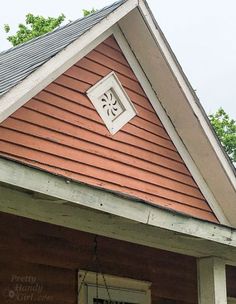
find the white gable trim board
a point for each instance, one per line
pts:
(160, 68)
(185, 86)
(39, 79)
(169, 127)
(57, 65)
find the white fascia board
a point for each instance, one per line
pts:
(55, 211)
(99, 200)
(173, 91)
(33, 84)
(57, 65)
(181, 78)
(51, 210)
(169, 126)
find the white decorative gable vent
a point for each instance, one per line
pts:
(112, 102)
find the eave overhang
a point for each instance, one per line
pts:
(170, 86)
(181, 105)
(42, 196)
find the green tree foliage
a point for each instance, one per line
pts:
(88, 12)
(225, 128)
(34, 26)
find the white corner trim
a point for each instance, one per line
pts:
(212, 281)
(56, 66)
(111, 102)
(169, 126)
(187, 91)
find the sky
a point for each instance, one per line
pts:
(201, 33)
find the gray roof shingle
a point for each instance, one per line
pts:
(20, 61)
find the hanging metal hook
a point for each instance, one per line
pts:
(98, 269)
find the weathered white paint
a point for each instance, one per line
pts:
(72, 215)
(216, 179)
(110, 84)
(57, 65)
(211, 281)
(195, 231)
(187, 89)
(181, 105)
(215, 206)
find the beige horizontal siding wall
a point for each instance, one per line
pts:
(60, 131)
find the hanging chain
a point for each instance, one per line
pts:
(99, 268)
(95, 259)
(104, 280)
(82, 282)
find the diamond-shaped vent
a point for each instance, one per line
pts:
(112, 102)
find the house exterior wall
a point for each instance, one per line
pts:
(231, 281)
(52, 255)
(59, 131)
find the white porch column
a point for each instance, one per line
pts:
(211, 281)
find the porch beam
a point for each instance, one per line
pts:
(67, 214)
(211, 281)
(133, 209)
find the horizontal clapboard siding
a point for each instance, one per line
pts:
(46, 284)
(231, 281)
(60, 131)
(54, 254)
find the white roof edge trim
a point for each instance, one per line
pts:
(25, 177)
(213, 203)
(34, 83)
(187, 91)
(53, 68)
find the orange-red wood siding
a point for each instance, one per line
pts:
(60, 131)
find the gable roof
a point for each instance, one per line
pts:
(36, 52)
(169, 92)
